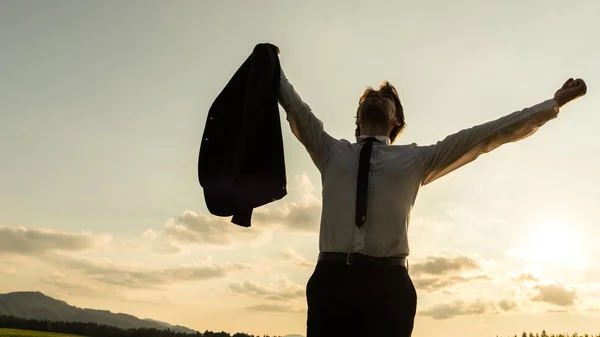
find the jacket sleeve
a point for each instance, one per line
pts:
(307, 128)
(465, 146)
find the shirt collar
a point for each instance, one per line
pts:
(383, 139)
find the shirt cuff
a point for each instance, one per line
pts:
(553, 105)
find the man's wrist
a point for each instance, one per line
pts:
(559, 101)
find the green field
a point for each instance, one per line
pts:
(28, 333)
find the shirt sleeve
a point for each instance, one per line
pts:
(466, 145)
(307, 128)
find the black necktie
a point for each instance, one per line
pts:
(362, 183)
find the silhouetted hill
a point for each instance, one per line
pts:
(173, 327)
(35, 305)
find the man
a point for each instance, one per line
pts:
(361, 285)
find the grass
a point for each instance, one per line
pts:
(29, 333)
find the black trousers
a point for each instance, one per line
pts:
(359, 301)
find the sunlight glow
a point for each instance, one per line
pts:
(553, 243)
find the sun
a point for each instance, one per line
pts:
(552, 242)
(552, 238)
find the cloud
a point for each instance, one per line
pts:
(440, 265)
(593, 308)
(287, 292)
(437, 283)
(36, 241)
(150, 234)
(458, 308)
(507, 305)
(296, 216)
(136, 277)
(439, 272)
(62, 285)
(283, 296)
(291, 256)
(275, 308)
(4, 270)
(167, 247)
(462, 308)
(528, 277)
(196, 229)
(555, 294)
(70, 285)
(192, 228)
(304, 215)
(303, 189)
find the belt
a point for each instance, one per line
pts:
(361, 259)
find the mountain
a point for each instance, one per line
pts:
(35, 305)
(178, 328)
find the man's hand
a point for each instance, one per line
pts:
(571, 90)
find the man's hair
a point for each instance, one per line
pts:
(385, 90)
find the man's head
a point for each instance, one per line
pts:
(380, 111)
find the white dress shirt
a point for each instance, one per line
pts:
(396, 173)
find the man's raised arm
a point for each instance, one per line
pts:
(304, 124)
(465, 146)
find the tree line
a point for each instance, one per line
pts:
(545, 334)
(101, 330)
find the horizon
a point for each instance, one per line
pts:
(103, 108)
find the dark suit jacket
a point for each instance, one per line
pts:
(241, 162)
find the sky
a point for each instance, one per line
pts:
(102, 109)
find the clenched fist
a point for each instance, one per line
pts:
(571, 90)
